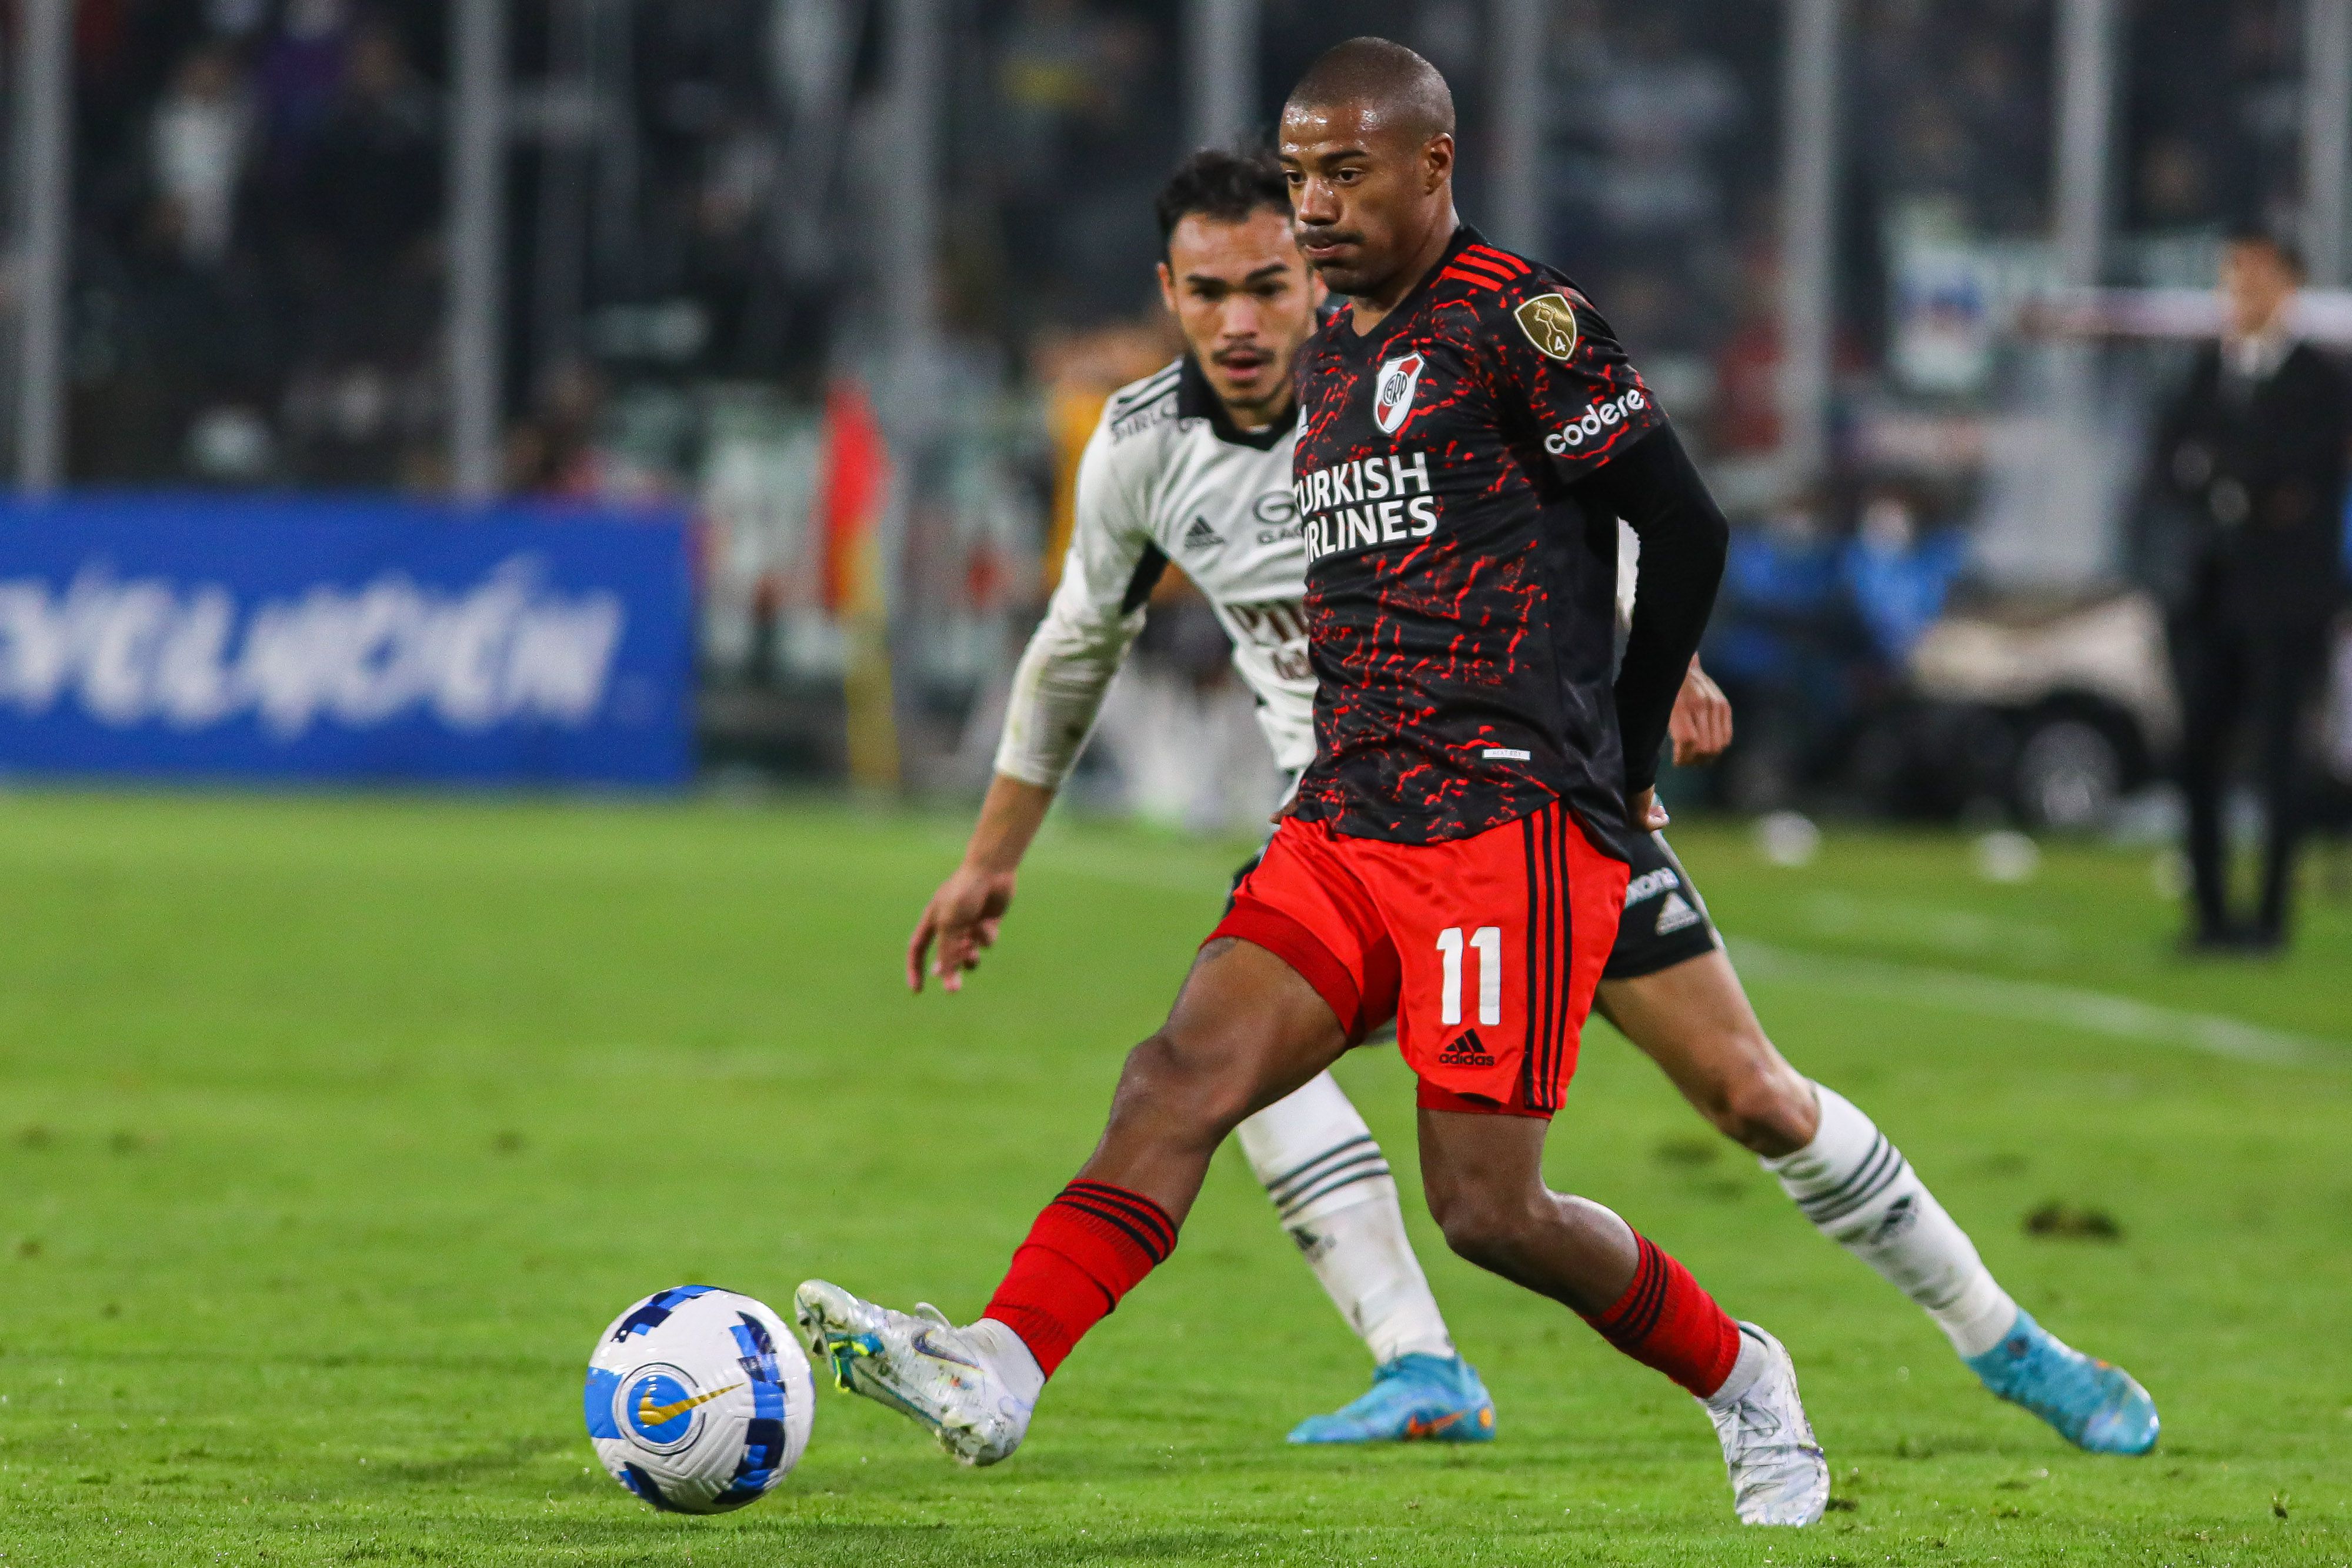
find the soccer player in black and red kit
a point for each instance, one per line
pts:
(1470, 434)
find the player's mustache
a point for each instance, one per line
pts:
(1321, 234)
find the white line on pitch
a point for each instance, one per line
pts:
(2028, 1001)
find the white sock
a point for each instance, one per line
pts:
(1331, 1185)
(1013, 1362)
(1753, 1359)
(1861, 1192)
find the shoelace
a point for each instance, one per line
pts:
(1753, 1416)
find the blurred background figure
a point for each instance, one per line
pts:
(2247, 560)
(202, 140)
(366, 216)
(710, 218)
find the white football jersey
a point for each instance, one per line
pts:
(1167, 476)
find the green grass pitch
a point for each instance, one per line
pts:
(332, 1131)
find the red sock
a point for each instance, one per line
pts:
(1664, 1320)
(1090, 1246)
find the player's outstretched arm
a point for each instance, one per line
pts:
(1700, 727)
(1057, 691)
(964, 914)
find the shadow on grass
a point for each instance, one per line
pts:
(477, 1465)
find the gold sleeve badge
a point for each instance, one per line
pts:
(1549, 322)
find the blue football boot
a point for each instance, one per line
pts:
(2092, 1404)
(1417, 1397)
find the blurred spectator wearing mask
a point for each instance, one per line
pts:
(2243, 544)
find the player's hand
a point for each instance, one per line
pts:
(1701, 722)
(962, 918)
(1643, 812)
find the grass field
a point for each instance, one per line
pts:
(331, 1131)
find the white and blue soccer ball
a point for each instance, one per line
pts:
(698, 1399)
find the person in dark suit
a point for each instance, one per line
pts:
(2245, 551)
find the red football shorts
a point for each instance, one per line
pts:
(1485, 949)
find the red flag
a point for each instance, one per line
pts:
(853, 482)
(853, 486)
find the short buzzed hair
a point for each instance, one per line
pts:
(1229, 187)
(1405, 89)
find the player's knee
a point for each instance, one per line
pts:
(1763, 1104)
(1177, 1084)
(1482, 1226)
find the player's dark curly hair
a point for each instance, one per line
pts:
(1227, 186)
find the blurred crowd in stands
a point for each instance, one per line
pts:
(258, 266)
(257, 263)
(694, 216)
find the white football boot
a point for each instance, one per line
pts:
(1778, 1473)
(974, 1388)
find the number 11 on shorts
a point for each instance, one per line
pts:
(1487, 941)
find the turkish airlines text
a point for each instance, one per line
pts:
(1369, 501)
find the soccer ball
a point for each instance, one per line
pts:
(698, 1399)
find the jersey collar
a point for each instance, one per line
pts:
(1195, 399)
(1343, 325)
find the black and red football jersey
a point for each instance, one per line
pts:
(1460, 599)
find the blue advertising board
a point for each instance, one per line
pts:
(345, 639)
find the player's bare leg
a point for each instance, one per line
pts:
(1696, 1022)
(1693, 1019)
(1246, 1030)
(1483, 1177)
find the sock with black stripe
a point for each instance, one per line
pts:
(1332, 1187)
(1092, 1245)
(1860, 1192)
(1664, 1319)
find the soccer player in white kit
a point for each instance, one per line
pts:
(1192, 465)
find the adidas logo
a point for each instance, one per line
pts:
(1201, 536)
(1467, 1051)
(1900, 1216)
(1676, 913)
